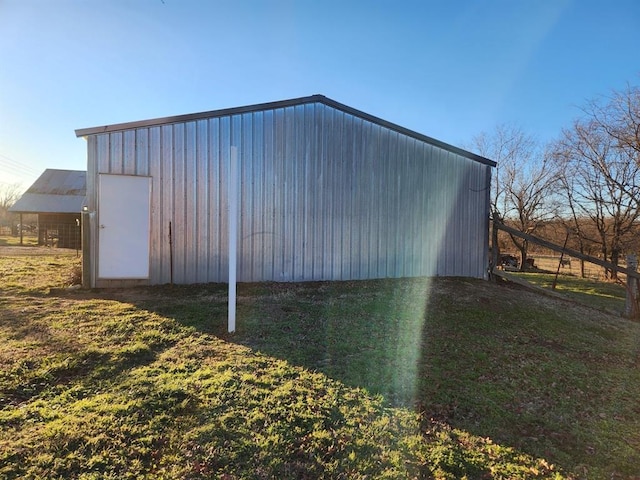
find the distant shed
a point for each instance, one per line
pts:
(57, 197)
(327, 192)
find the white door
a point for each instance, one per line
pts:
(123, 226)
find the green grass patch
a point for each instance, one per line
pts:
(14, 240)
(37, 274)
(410, 378)
(608, 296)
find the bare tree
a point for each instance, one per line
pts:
(571, 216)
(507, 145)
(619, 118)
(600, 180)
(9, 193)
(522, 187)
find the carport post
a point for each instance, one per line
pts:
(233, 236)
(85, 228)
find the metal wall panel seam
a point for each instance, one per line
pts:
(201, 216)
(142, 152)
(355, 219)
(247, 211)
(373, 146)
(290, 171)
(319, 163)
(117, 148)
(214, 202)
(129, 152)
(155, 250)
(304, 188)
(336, 201)
(266, 223)
(258, 180)
(209, 209)
(190, 212)
(177, 162)
(166, 147)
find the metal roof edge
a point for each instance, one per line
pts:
(52, 203)
(317, 98)
(407, 131)
(64, 170)
(197, 116)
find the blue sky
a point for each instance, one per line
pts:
(447, 69)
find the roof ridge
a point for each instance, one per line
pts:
(316, 98)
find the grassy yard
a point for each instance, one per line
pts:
(411, 378)
(11, 240)
(607, 296)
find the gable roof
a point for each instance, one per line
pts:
(55, 191)
(83, 132)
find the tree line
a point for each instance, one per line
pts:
(582, 188)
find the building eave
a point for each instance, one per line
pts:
(118, 127)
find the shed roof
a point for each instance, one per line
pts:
(55, 191)
(82, 132)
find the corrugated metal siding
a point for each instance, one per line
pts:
(60, 182)
(55, 191)
(325, 195)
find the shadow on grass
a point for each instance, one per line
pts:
(364, 334)
(60, 360)
(490, 360)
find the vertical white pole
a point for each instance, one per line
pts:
(233, 236)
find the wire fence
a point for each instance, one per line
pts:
(59, 235)
(568, 266)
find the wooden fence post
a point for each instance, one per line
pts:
(631, 301)
(495, 252)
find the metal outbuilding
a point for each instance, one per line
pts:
(57, 197)
(325, 192)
